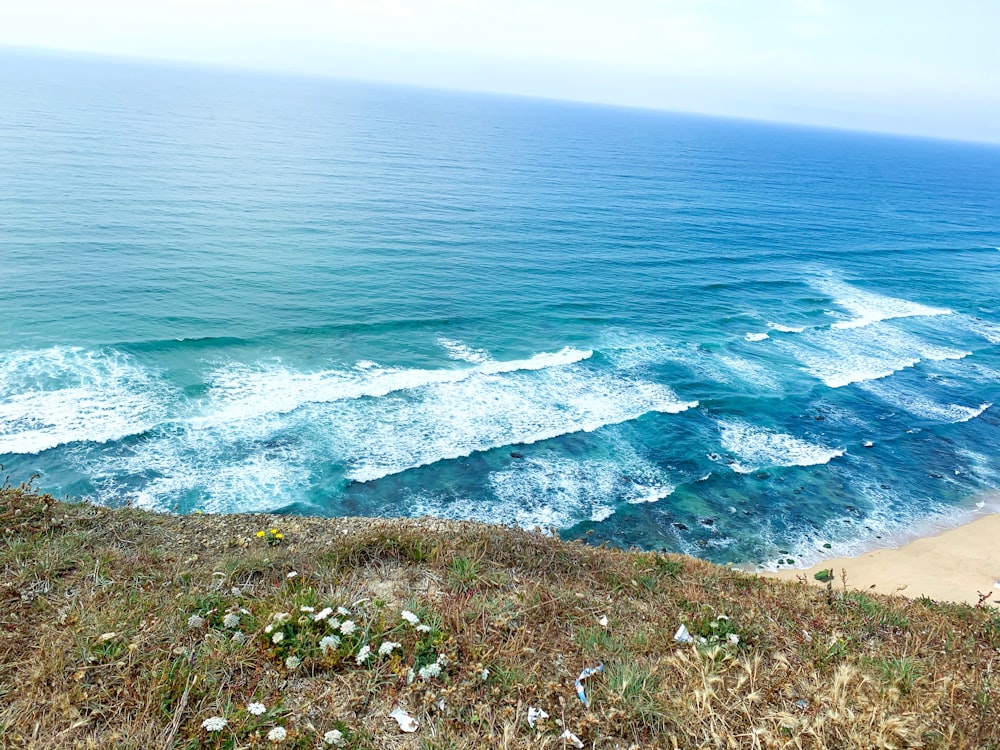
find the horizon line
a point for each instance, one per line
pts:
(443, 88)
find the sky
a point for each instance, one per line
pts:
(918, 67)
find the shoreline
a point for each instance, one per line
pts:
(955, 565)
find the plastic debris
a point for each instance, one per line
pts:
(571, 739)
(535, 714)
(682, 635)
(406, 722)
(603, 622)
(580, 692)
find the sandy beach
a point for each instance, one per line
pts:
(955, 565)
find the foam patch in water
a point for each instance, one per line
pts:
(555, 492)
(840, 357)
(379, 437)
(891, 520)
(238, 468)
(785, 329)
(239, 390)
(463, 352)
(721, 367)
(920, 406)
(758, 448)
(869, 307)
(65, 395)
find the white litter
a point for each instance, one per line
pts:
(571, 739)
(603, 622)
(581, 693)
(535, 714)
(406, 722)
(682, 635)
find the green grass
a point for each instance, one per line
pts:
(98, 649)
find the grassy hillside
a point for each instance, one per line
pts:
(121, 628)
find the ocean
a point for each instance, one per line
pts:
(231, 291)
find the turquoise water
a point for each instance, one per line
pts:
(232, 292)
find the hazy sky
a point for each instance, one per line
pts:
(916, 66)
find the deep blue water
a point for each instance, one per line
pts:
(230, 291)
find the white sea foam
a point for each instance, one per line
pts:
(218, 467)
(890, 521)
(261, 423)
(756, 336)
(68, 394)
(984, 328)
(840, 357)
(869, 307)
(378, 437)
(785, 329)
(552, 492)
(464, 352)
(240, 391)
(919, 405)
(757, 448)
(632, 352)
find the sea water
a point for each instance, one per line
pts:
(238, 292)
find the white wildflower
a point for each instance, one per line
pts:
(329, 643)
(194, 621)
(277, 734)
(231, 620)
(347, 627)
(214, 724)
(484, 675)
(277, 638)
(424, 628)
(256, 708)
(293, 662)
(289, 574)
(733, 638)
(239, 637)
(431, 670)
(322, 614)
(387, 647)
(334, 737)
(307, 609)
(442, 660)
(269, 628)
(236, 591)
(410, 676)
(410, 617)
(343, 611)
(363, 654)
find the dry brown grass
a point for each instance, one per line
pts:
(96, 650)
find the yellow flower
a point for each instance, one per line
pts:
(280, 536)
(274, 531)
(260, 534)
